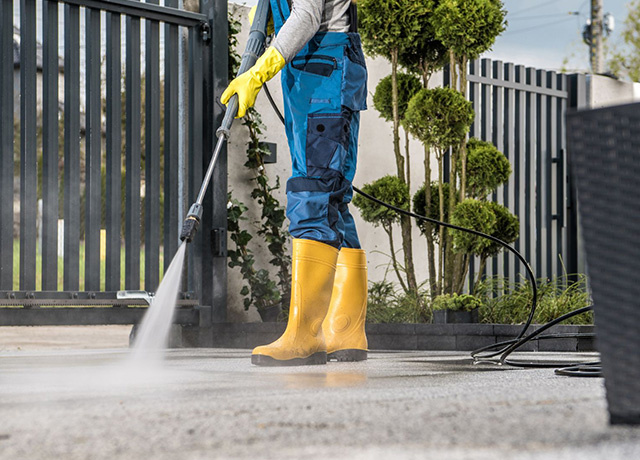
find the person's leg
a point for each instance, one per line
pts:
(344, 325)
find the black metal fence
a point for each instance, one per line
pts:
(521, 110)
(110, 130)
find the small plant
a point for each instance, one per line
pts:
(509, 302)
(456, 302)
(260, 290)
(385, 305)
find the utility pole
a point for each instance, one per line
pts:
(595, 46)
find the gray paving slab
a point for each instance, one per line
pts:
(86, 404)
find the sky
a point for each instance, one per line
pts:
(543, 33)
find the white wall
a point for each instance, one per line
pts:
(605, 91)
(376, 159)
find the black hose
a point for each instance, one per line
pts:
(502, 349)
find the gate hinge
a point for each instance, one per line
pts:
(219, 242)
(205, 31)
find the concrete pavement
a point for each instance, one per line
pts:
(85, 404)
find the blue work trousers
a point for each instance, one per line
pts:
(325, 88)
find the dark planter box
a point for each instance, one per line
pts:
(453, 337)
(605, 153)
(455, 316)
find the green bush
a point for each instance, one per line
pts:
(509, 302)
(458, 302)
(384, 305)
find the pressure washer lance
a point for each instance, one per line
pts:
(254, 48)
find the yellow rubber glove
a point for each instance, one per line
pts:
(270, 27)
(247, 85)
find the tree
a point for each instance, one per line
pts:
(440, 118)
(388, 28)
(408, 85)
(626, 58)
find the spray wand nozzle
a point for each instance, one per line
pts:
(190, 224)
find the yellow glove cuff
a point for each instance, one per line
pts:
(268, 65)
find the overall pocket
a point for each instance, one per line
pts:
(327, 141)
(354, 80)
(315, 83)
(316, 64)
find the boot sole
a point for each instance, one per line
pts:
(314, 359)
(347, 355)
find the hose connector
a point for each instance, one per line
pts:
(191, 223)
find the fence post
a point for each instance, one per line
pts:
(577, 88)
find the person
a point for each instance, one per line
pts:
(324, 82)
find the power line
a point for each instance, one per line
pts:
(539, 16)
(531, 8)
(538, 26)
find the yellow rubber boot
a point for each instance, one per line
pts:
(313, 271)
(344, 325)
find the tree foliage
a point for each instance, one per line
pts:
(468, 27)
(487, 168)
(626, 58)
(439, 117)
(408, 86)
(389, 26)
(420, 207)
(477, 215)
(389, 189)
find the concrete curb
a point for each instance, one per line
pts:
(453, 337)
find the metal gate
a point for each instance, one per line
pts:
(521, 110)
(113, 125)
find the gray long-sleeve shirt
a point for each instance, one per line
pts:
(306, 19)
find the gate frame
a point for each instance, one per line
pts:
(204, 302)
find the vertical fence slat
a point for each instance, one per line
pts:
(498, 137)
(171, 194)
(113, 201)
(71, 147)
(93, 192)
(519, 158)
(6, 144)
(474, 95)
(552, 177)
(530, 173)
(196, 157)
(152, 155)
(541, 178)
(509, 197)
(133, 127)
(50, 145)
(28, 145)
(486, 120)
(561, 205)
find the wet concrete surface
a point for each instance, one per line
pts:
(85, 404)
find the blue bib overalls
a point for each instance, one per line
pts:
(324, 89)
